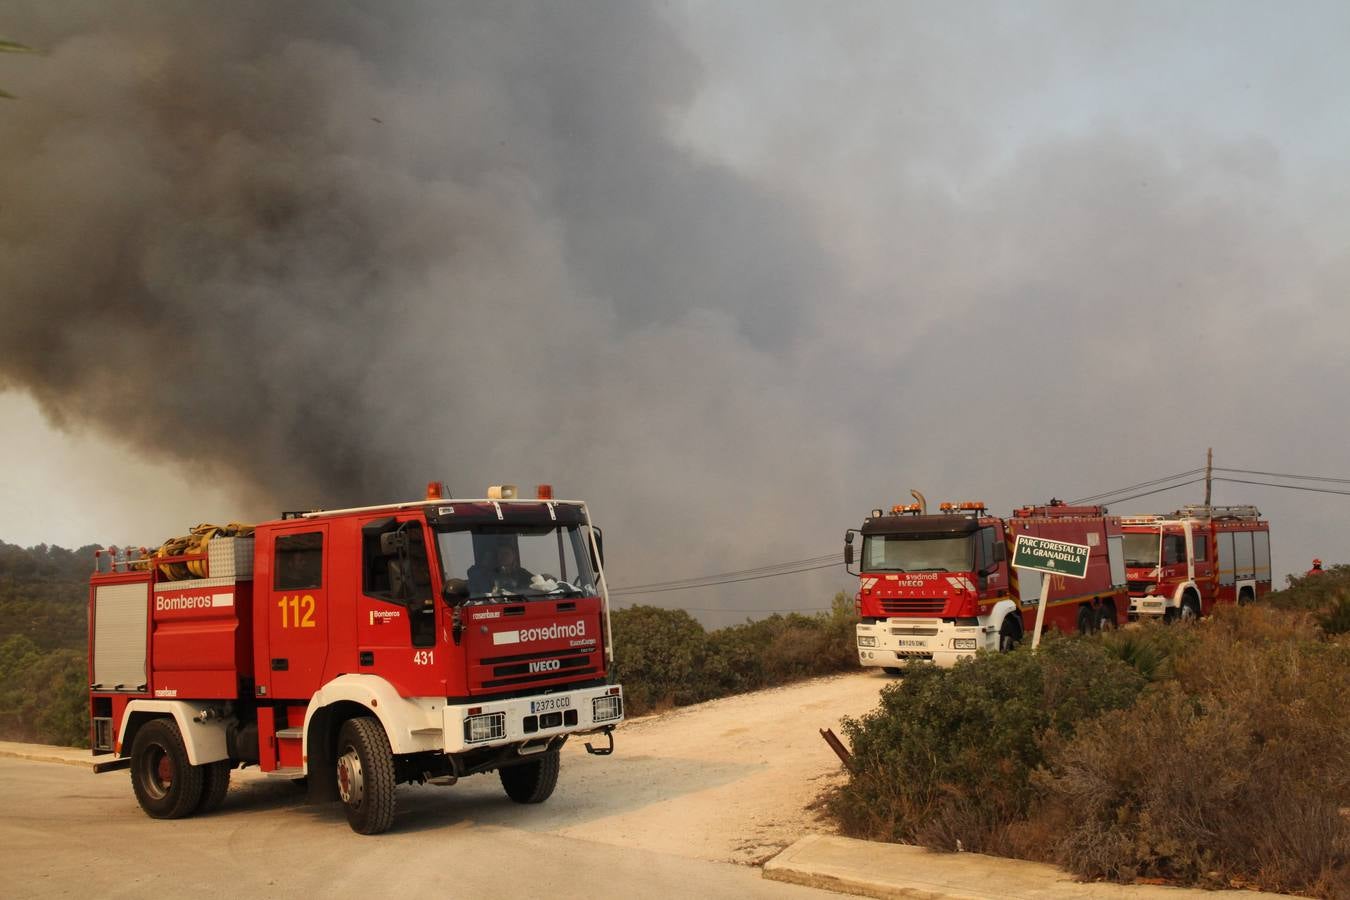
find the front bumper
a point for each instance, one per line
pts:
(895, 643)
(1148, 605)
(497, 723)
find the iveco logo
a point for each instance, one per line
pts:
(545, 665)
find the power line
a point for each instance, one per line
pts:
(627, 592)
(1158, 490)
(1323, 478)
(1142, 484)
(1292, 487)
(746, 609)
(755, 571)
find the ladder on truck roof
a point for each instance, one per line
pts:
(1200, 511)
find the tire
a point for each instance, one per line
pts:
(166, 785)
(1245, 598)
(1190, 608)
(891, 670)
(1087, 620)
(1009, 634)
(1106, 617)
(1171, 615)
(365, 775)
(534, 781)
(215, 784)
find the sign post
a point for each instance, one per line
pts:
(1049, 558)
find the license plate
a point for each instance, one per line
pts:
(548, 703)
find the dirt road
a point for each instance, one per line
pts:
(725, 780)
(684, 794)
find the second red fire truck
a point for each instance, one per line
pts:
(415, 642)
(1180, 566)
(941, 588)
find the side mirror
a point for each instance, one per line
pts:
(455, 591)
(848, 552)
(599, 562)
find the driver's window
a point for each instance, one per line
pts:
(1174, 549)
(386, 576)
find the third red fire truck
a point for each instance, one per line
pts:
(1181, 565)
(358, 649)
(940, 587)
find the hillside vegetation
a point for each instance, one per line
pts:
(43, 658)
(1214, 754)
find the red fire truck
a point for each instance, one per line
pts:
(940, 587)
(357, 649)
(1181, 565)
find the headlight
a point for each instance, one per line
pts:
(484, 728)
(607, 708)
(963, 644)
(866, 640)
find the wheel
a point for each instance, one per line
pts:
(1009, 634)
(215, 784)
(166, 785)
(1245, 597)
(1087, 620)
(1106, 617)
(1190, 608)
(891, 670)
(534, 781)
(365, 775)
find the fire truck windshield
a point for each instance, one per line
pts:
(918, 553)
(1141, 549)
(485, 561)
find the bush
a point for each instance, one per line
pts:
(946, 760)
(1234, 773)
(1313, 593)
(1150, 649)
(658, 653)
(663, 657)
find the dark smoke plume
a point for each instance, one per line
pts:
(330, 250)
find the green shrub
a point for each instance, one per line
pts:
(1236, 772)
(946, 760)
(658, 654)
(1149, 648)
(663, 657)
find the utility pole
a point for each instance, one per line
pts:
(1209, 473)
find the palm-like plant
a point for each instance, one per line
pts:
(12, 47)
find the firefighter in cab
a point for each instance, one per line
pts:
(1315, 570)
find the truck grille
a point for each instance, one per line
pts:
(546, 665)
(913, 605)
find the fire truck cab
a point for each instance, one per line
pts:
(1183, 564)
(940, 588)
(360, 648)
